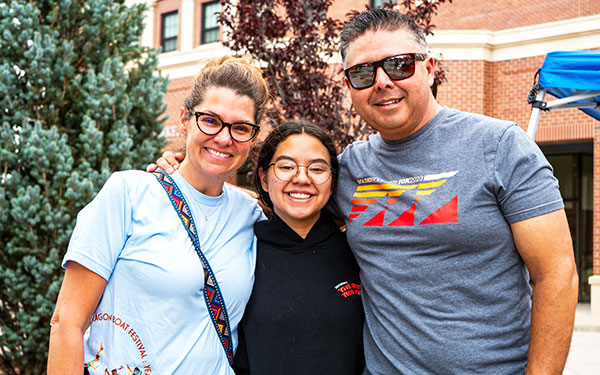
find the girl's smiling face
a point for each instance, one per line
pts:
(298, 202)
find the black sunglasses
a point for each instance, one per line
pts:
(240, 131)
(398, 67)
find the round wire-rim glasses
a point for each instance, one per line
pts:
(318, 172)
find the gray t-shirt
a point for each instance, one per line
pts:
(444, 289)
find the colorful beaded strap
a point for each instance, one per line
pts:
(212, 293)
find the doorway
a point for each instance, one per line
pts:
(573, 166)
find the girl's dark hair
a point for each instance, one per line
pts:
(280, 134)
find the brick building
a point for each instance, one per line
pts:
(490, 50)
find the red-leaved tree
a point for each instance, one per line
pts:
(296, 43)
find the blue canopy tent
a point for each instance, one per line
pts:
(571, 76)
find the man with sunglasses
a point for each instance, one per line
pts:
(449, 214)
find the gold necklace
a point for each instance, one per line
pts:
(210, 214)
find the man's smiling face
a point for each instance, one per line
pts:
(396, 109)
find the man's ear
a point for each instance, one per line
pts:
(183, 122)
(263, 179)
(430, 66)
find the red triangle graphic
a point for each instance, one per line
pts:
(377, 220)
(448, 213)
(406, 219)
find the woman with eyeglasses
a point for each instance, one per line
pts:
(159, 268)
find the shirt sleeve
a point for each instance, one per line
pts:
(526, 186)
(333, 205)
(102, 228)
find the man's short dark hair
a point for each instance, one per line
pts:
(380, 19)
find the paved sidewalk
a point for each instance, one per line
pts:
(584, 356)
(584, 320)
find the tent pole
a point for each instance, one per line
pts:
(535, 114)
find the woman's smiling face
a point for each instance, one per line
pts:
(298, 202)
(210, 159)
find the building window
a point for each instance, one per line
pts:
(210, 22)
(379, 3)
(168, 32)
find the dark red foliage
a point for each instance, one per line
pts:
(294, 42)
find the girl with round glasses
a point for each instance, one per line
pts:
(305, 314)
(133, 293)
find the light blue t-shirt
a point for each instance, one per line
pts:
(152, 314)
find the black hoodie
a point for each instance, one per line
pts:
(305, 314)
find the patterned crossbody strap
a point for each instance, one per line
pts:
(212, 293)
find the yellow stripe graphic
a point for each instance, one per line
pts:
(371, 194)
(385, 187)
(395, 190)
(429, 185)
